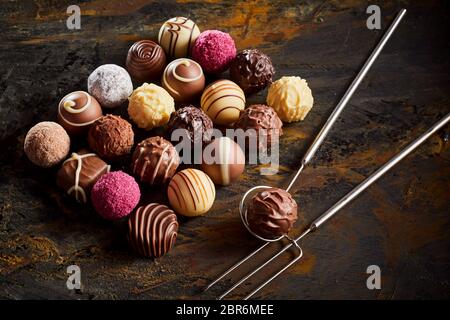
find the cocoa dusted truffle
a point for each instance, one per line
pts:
(198, 125)
(272, 213)
(79, 173)
(252, 70)
(152, 230)
(146, 61)
(111, 137)
(155, 160)
(263, 119)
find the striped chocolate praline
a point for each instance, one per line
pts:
(152, 230)
(191, 192)
(146, 61)
(155, 160)
(223, 101)
(177, 36)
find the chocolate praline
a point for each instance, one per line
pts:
(252, 70)
(146, 61)
(152, 230)
(77, 111)
(264, 120)
(79, 173)
(198, 125)
(111, 137)
(272, 213)
(184, 80)
(155, 160)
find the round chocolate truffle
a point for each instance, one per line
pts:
(150, 106)
(177, 35)
(77, 111)
(146, 61)
(191, 193)
(264, 121)
(252, 70)
(272, 213)
(46, 144)
(110, 84)
(111, 137)
(223, 161)
(152, 230)
(184, 80)
(155, 160)
(198, 125)
(291, 98)
(115, 195)
(79, 173)
(223, 101)
(214, 50)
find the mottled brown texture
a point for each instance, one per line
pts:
(400, 223)
(152, 230)
(272, 213)
(198, 125)
(154, 161)
(252, 70)
(46, 144)
(111, 137)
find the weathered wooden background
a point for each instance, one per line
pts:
(401, 223)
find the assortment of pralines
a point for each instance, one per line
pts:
(172, 92)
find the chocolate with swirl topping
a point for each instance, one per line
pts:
(272, 213)
(146, 61)
(152, 230)
(252, 70)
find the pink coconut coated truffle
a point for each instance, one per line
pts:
(115, 195)
(214, 50)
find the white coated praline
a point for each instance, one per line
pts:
(110, 84)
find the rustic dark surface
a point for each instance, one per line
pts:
(401, 223)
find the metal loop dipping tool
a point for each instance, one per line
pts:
(306, 159)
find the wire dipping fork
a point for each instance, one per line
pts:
(305, 160)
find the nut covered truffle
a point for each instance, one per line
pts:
(291, 98)
(150, 106)
(79, 173)
(198, 125)
(264, 120)
(152, 230)
(272, 213)
(111, 137)
(46, 144)
(146, 61)
(252, 70)
(155, 160)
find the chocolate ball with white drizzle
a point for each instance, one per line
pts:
(79, 173)
(77, 111)
(155, 160)
(184, 80)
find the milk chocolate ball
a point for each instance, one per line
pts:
(272, 213)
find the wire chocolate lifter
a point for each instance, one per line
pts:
(306, 159)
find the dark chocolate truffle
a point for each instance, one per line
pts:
(79, 173)
(252, 70)
(155, 160)
(198, 125)
(77, 111)
(152, 230)
(272, 213)
(184, 80)
(264, 120)
(146, 61)
(111, 137)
